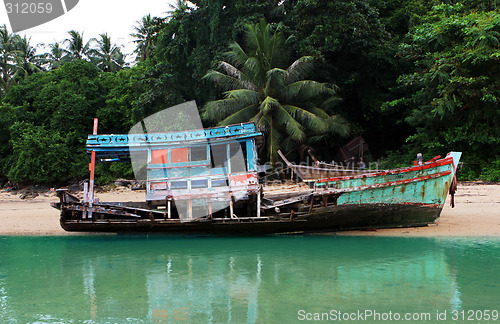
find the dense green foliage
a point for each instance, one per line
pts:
(46, 119)
(452, 96)
(410, 76)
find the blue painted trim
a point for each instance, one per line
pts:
(141, 140)
(251, 156)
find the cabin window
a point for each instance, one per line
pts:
(220, 183)
(179, 155)
(219, 155)
(199, 184)
(159, 156)
(178, 185)
(198, 153)
(238, 153)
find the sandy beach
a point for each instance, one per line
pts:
(476, 213)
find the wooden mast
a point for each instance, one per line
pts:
(92, 173)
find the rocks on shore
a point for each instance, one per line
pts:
(28, 195)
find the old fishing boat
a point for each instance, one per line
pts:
(206, 181)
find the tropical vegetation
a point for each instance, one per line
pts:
(409, 76)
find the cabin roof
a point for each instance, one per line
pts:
(117, 147)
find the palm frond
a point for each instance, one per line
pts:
(238, 74)
(272, 107)
(236, 55)
(339, 125)
(267, 105)
(299, 69)
(279, 53)
(330, 103)
(290, 126)
(250, 97)
(311, 120)
(268, 48)
(251, 38)
(241, 116)
(255, 72)
(219, 109)
(262, 122)
(306, 90)
(275, 81)
(227, 82)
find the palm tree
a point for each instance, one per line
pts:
(77, 49)
(145, 32)
(260, 87)
(8, 54)
(54, 58)
(107, 56)
(179, 6)
(18, 59)
(27, 61)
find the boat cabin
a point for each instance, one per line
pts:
(199, 172)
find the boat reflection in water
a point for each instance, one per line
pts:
(263, 280)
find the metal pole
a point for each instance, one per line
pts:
(92, 172)
(231, 211)
(85, 199)
(190, 209)
(258, 203)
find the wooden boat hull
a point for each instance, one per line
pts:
(346, 217)
(405, 197)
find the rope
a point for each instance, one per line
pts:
(453, 186)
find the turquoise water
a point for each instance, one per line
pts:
(140, 279)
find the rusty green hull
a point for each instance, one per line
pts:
(421, 185)
(405, 197)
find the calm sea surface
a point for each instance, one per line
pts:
(140, 279)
